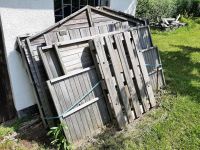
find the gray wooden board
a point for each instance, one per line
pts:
(95, 31)
(109, 81)
(73, 56)
(135, 20)
(115, 60)
(130, 83)
(136, 69)
(137, 47)
(92, 75)
(38, 40)
(41, 88)
(88, 120)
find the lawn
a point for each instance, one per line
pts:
(176, 124)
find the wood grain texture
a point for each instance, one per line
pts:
(127, 75)
(143, 67)
(104, 65)
(85, 119)
(115, 60)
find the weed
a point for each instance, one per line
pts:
(58, 138)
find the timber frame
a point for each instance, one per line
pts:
(93, 47)
(28, 47)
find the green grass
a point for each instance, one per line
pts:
(176, 124)
(4, 131)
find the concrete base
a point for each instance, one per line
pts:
(30, 111)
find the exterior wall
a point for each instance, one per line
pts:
(7, 108)
(19, 17)
(127, 6)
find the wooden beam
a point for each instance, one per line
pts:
(89, 15)
(86, 104)
(59, 23)
(135, 36)
(117, 70)
(129, 80)
(60, 59)
(136, 70)
(104, 65)
(87, 38)
(45, 63)
(70, 74)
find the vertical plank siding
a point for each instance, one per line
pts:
(68, 90)
(101, 51)
(38, 74)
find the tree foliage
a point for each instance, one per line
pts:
(151, 9)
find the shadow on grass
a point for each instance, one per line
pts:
(182, 74)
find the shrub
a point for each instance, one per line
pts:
(151, 9)
(189, 7)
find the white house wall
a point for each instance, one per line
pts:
(19, 17)
(127, 6)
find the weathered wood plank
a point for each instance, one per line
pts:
(57, 105)
(60, 61)
(129, 80)
(136, 70)
(39, 85)
(117, 70)
(76, 117)
(66, 104)
(110, 85)
(95, 31)
(46, 64)
(143, 67)
(85, 113)
(96, 108)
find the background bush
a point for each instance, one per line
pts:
(151, 9)
(188, 7)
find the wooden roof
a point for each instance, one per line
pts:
(90, 16)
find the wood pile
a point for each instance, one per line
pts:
(169, 23)
(93, 68)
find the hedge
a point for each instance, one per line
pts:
(152, 9)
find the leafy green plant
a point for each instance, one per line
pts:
(151, 9)
(58, 138)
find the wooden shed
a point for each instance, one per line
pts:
(91, 65)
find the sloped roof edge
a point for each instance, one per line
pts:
(86, 8)
(108, 9)
(60, 22)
